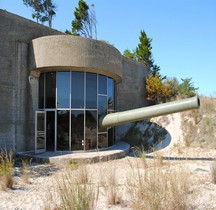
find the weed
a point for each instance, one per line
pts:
(213, 172)
(111, 187)
(74, 190)
(25, 167)
(6, 169)
(73, 165)
(160, 188)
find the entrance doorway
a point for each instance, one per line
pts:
(45, 131)
(40, 131)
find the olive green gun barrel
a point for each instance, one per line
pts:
(134, 115)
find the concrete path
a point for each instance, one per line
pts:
(116, 151)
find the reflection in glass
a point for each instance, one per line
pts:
(63, 130)
(110, 95)
(102, 140)
(91, 130)
(77, 130)
(102, 110)
(40, 131)
(63, 88)
(111, 136)
(77, 89)
(91, 91)
(102, 82)
(50, 96)
(41, 91)
(50, 130)
(92, 97)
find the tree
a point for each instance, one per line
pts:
(143, 54)
(48, 12)
(143, 51)
(37, 8)
(158, 90)
(186, 88)
(43, 10)
(129, 54)
(85, 22)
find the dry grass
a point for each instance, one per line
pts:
(157, 186)
(213, 172)
(25, 169)
(73, 190)
(6, 170)
(199, 125)
(129, 183)
(111, 187)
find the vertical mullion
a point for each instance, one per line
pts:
(36, 121)
(84, 83)
(97, 108)
(44, 105)
(45, 130)
(55, 143)
(70, 132)
(56, 112)
(56, 91)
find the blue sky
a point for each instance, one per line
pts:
(183, 32)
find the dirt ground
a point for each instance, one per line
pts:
(42, 182)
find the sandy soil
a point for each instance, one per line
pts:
(41, 191)
(43, 182)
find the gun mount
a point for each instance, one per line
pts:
(134, 115)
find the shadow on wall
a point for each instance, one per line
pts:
(147, 135)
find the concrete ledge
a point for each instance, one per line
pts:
(116, 151)
(66, 52)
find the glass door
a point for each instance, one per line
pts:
(40, 131)
(50, 130)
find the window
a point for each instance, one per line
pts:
(91, 129)
(102, 111)
(91, 91)
(76, 102)
(77, 130)
(77, 89)
(50, 96)
(63, 87)
(63, 130)
(41, 92)
(110, 95)
(102, 81)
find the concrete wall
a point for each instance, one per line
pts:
(17, 89)
(131, 92)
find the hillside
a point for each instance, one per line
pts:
(192, 133)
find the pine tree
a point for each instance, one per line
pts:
(85, 22)
(43, 10)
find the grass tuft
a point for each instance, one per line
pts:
(74, 191)
(6, 170)
(159, 187)
(25, 169)
(213, 172)
(111, 187)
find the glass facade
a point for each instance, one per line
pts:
(75, 103)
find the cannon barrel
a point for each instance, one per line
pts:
(134, 115)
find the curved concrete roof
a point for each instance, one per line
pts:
(66, 52)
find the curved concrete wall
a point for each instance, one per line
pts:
(66, 52)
